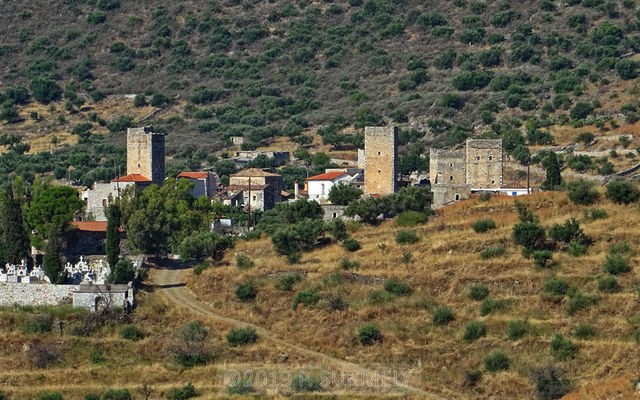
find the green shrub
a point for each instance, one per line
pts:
(406, 237)
(472, 377)
(96, 17)
(116, 394)
(516, 329)
(305, 383)
(549, 383)
(243, 261)
(595, 213)
(474, 330)
(45, 90)
(183, 393)
(348, 264)
(380, 297)
(582, 192)
(496, 361)
(556, 286)
(397, 288)
(478, 292)
(567, 232)
(39, 324)
(198, 269)
(306, 297)
(609, 284)
(240, 386)
(529, 234)
(616, 264)
(492, 251)
(88, 396)
(490, 305)
(411, 218)
(584, 331)
(622, 192)
(131, 332)
(351, 244)
(577, 249)
(369, 334)
(483, 225)
(287, 281)
(242, 336)
(563, 348)
(246, 291)
(442, 315)
(51, 396)
(579, 302)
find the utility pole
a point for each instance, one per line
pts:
(529, 176)
(249, 208)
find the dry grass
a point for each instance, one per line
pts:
(445, 263)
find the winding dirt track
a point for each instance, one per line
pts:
(170, 282)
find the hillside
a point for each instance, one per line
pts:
(442, 70)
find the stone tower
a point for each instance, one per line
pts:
(484, 163)
(145, 153)
(380, 146)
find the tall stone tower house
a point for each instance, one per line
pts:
(484, 163)
(447, 166)
(380, 172)
(145, 153)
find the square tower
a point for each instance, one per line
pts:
(381, 150)
(484, 163)
(145, 153)
(447, 167)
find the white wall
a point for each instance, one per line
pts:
(319, 190)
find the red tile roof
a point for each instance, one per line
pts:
(132, 178)
(90, 226)
(193, 175)
(327, 176)
(251, 172)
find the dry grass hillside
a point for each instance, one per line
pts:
(444, 264)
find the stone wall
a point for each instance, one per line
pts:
(35, 294)
(380, 144)
(447, 167)
(484, 163)
(145, 153)
(449, 193)
(96, 200)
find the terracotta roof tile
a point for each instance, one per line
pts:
(132, 178)
(251, 172)
(90, 226)
(193, 175)
(327, 176)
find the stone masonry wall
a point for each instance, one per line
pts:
(447, 194)
(380, 144)
(145, 153)
(447, 167)
(484, 163)
(35, 294)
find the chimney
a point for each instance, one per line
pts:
(296, 190)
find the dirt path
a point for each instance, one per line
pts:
(171, 284)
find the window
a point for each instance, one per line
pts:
(138, 165)
(254, 198)
(104, 202)
(335, 215)
(490, 158)
(322, 188)
(378, 153)
(450, 165)
(451, 177)
(379, 171)
(477, 158)
(492, 181)
(457, 197)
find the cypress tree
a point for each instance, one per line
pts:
(113, 234)
(51, 260)
(554, 179)
(14, 242)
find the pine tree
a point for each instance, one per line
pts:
(52, 263)
(113, 234)
(14, 242)
(554, 179)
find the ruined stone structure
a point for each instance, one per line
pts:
(259, 189)
(455, 173)
(145, 153)
(380, 145)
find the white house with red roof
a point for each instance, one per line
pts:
(204, 183)
(97, 199)
(319, 186)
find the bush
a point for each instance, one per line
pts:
(595, 213)
(556, 286)
(490, 305)
(478, 292)
(45, 90)
(39, 324)
(96, 17)
(348, 264)
(584, 331)
(287, 281)
(616, 264)
(483, 225)
(549, 383)
(474, 330)
(183, 393)
(243, 261)
(116, 394)
(472, 377)
(338, 229)
(51, 396)
(516, 329)
(529, 234)
(380, 297)
(246, 291)
(496, 361)
(563, 348)
(411, 218)
(351, 244)
(397, 288)
(369, 334)
(442, 315)
(306, 297)
(492, 251)
(131, 332)
(578, 302)
(577, 249)
(304, 383)
(609, 284)
(242, 336)
(198, 269)
(405, 236)
(240, 386)
(582, 192)
(622, 192)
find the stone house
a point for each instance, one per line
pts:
(97, 199)
(260, 189)
(204, 183)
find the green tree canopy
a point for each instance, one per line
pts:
(53, 206)
(344, 193)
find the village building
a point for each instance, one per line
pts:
(98, 198)
(253, 188)
(204, 183)
(319, 186)
(242, 158)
